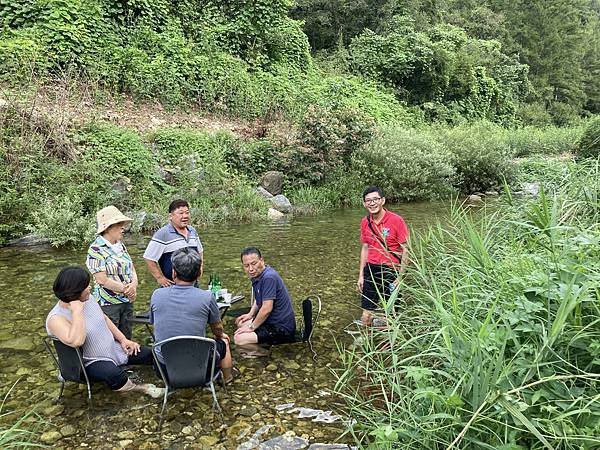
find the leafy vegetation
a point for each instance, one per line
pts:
(495, 341)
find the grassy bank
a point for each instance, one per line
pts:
(496, 340)
(60, 168)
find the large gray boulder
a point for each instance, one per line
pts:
(272, 181)
(281, 203)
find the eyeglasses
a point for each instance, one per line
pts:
(372, 201)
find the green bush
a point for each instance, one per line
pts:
(21, 57)
(549, 140)
(61, 220)
(482, 158)
(589, 144)
(407, 164)
(329, 138)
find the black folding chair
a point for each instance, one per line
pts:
(190, 362)
(310, 318)
(69, 361)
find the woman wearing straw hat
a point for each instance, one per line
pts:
(115, 280)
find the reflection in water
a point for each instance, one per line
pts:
(313, 254)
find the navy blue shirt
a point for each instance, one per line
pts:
(269, 286)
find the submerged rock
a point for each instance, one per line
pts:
(532, 189)
(22, 343)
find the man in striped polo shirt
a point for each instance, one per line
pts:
(178, 233)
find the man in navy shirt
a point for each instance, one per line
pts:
(271, 319)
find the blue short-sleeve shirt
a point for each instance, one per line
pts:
(270, 286)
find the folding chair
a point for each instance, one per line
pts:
(310, 318)
(69, 361)
(190, 362)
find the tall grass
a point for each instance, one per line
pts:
(20, 432)
(496, 343)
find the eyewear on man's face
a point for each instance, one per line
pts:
(372, 201)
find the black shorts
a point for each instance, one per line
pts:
(273, 335)
(377, 281)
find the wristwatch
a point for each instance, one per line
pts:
(251, 327)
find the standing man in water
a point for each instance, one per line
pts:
(271, 318)
(383, 254)
(178, 233)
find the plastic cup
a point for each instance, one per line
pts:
(227, 297)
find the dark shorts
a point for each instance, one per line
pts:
(377, 280)
(121, 315)
(273, 335)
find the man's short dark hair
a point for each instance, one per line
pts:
(370, 189)
(70, 283)
(250, 251)
(186, 263)
(178, 204)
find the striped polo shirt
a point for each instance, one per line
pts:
(116, 262)
(165, 241)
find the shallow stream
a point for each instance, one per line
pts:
(314, 255)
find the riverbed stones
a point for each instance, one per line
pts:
(68, 430)
(272, 181)
(21, 343)
(50, 437)
(208, 441)
(281, 203)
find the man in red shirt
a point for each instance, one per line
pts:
(383, 254)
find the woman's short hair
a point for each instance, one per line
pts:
(70, 283)
(186, 263)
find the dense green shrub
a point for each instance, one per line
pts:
(589, 144)
(549, 140)
(407, 164)
(442, 68)
(482, 158)
(21, 56)
(329, 138)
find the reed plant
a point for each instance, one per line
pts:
(19, 432)
(493, 336)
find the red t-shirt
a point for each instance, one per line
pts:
(392, 230)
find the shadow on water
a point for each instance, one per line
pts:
(316, 254)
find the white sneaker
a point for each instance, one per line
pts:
(154, 391)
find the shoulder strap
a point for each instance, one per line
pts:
(381, 241)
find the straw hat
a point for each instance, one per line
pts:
(109, 216)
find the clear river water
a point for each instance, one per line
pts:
(314, 255)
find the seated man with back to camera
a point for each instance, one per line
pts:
(184, 310)
(271, 319)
